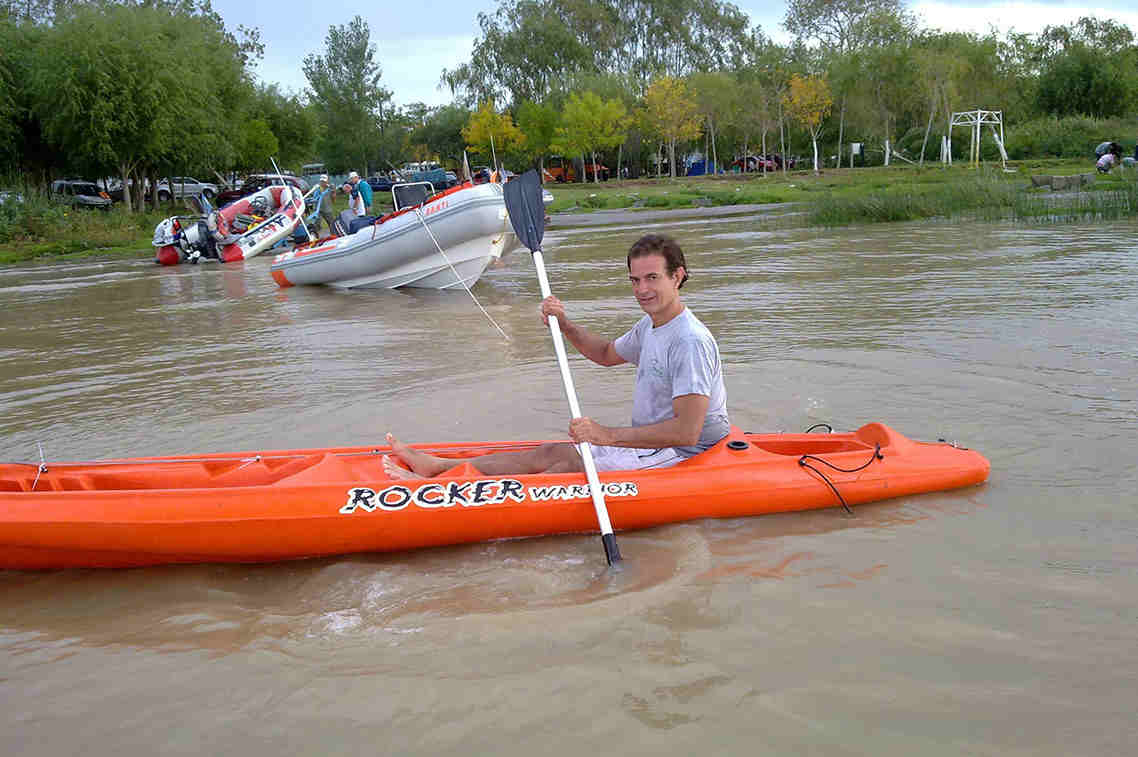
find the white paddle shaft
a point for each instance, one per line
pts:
(571, 394)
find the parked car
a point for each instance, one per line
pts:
(80, 194)
(257, 182)
(185, 186)
(380, 183)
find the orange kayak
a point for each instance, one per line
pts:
(291, 504)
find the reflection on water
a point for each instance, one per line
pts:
(933, 623)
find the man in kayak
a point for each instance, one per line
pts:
(679, 404)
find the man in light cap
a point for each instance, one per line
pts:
(364, 190)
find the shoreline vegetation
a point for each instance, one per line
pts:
(835, 198)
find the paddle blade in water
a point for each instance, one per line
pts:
(527, 213)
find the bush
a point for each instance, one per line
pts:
(33, 218)
(1068, 137)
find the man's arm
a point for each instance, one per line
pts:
(682, 430)
(597, 348)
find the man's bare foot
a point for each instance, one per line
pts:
(422, 465)
(395, 471)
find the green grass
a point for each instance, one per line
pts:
(985, 195)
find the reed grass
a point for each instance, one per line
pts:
(984, 197)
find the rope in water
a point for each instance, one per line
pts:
(458, 278)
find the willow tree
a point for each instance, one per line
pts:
(528, 48)
(113, 93)
(808, 101)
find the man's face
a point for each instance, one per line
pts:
(657, 293)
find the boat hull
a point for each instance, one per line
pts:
(469, 223)
(285, 505)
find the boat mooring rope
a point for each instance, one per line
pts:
(439, 247)
(803, 461)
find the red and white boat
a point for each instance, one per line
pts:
(242, 229)
(431, 241)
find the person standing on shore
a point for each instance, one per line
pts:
(323, 196)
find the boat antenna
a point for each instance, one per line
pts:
(300, 214)
(494, 154)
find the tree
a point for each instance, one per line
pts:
(1088, 68)
(588, 124)
(538, 122)
(528, 48)
(808, 101)
(441, 131)
(842, 29)
(716, 95)
(671, 115)
(112, 93)
(256, 146)
(490, 134)
(292, 124)
(345, 85)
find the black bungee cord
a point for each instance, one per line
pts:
(804, 462)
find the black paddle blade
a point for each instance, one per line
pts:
(527, 213)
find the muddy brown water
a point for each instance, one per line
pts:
(996, 620)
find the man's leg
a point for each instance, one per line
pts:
(558, 457)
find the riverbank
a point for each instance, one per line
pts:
(834, 197)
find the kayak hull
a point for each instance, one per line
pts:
(293, 504)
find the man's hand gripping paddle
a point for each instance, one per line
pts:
(527, 216)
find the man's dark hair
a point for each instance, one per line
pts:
(660, 244)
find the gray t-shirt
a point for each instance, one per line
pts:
(678, 358)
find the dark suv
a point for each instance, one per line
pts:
(80, 194)
(380, 183)
(255, 183)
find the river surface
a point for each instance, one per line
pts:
(996, 620)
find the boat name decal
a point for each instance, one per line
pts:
(472, 494)
(435, 207)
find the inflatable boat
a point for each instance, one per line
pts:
(241, 230)
(284, 505)
(432, 240)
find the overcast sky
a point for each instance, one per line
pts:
(415, 41)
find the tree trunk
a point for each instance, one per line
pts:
(782, 142)
(814, 140)
(672, 158)
(928, 129)
(841, 129)
(124, 172)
